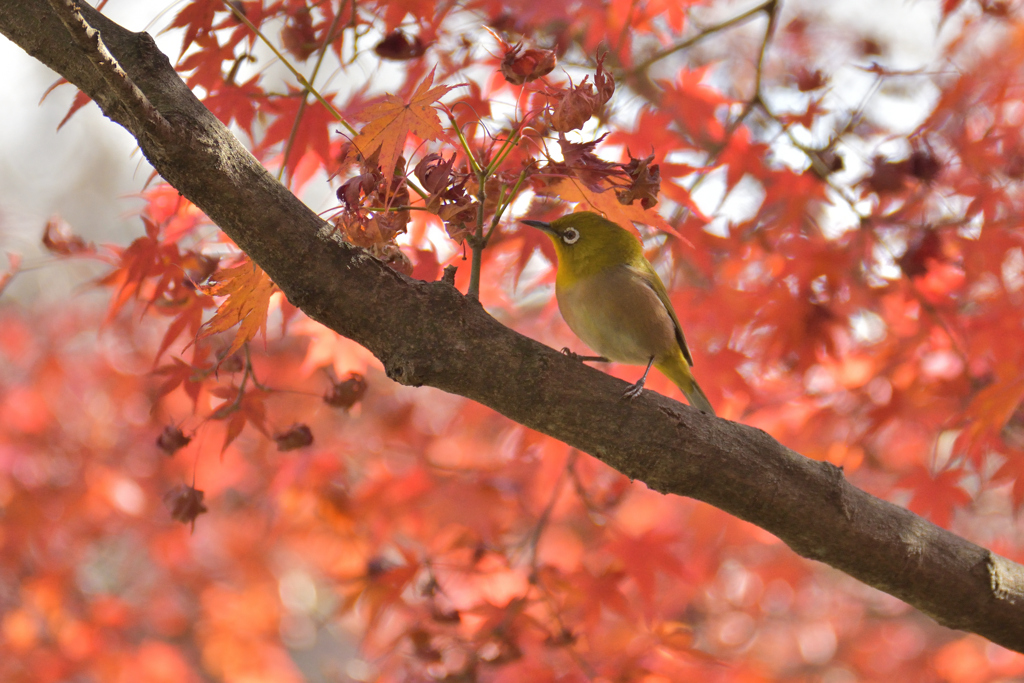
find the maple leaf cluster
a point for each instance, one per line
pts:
(230, 484)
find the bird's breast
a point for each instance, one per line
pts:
(618, 315)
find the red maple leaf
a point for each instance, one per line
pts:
(392, 120)
(935, 496)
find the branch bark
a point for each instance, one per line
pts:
(430, 334)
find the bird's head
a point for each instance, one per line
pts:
(587, 242)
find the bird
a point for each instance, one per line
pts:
(611, 297)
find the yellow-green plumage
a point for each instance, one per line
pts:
(613, 299)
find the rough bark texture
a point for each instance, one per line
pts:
(430, 334)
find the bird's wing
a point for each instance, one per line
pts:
(651, 279)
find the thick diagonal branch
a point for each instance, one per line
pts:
(430, 334)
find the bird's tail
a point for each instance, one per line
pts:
(697, 398)
(678, 370)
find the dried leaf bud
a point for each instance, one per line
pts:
(185, 503)
(923, 165)
(604, 82)
(377, 566)
(172, 439)
(434, 173)
(827, 162)
(422, 646)
(1015, 166)
(886, 176)
(352, 189)
(58, 239)
(998, 8)
(399, 47)
(922, 249)
(458, 218)
(233, 363)
(347, 393)
(298, 36)
(645, 185)
(809, 80)
(529, 66)
(869, 47)
(295, 437)
(450, 616)
(204, 267)
(575, 107)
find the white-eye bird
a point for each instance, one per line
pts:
(613, 299)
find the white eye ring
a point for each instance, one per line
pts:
(570, 235)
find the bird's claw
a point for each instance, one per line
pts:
(566, 351)
(634, 390)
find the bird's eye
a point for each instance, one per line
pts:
(570, 235)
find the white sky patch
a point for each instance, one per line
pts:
(128, 496)
(1013, 270)
(867, 327)
(837, 218)
(745, 199)
(298, 592)
(710, 193)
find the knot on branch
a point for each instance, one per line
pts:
(837, 480)
(405, 372)
(1006, 579)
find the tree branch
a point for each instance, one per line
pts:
(430, 334)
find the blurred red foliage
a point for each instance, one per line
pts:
(850, 282)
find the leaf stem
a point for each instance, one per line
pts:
(503, 204)
(477, 168)
(417, 189)
(295, 72)
(322, 52)
(402, 207)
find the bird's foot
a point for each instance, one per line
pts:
(634, 390)
(576, 356)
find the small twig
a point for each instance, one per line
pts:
(322, 52)
(505, 202)
(128, 95)
(768, 7)
(250, 371)
(545, 515)
(756, 100)
(476, 245)
(448, 275)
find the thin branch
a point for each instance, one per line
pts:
(768, 7)
(756, 99)
(476, 244)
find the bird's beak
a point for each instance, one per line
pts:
(540, 225)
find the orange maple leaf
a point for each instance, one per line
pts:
(248, 291)
(391, 120)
